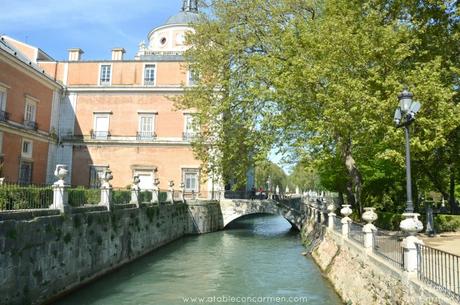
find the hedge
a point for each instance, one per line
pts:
(16, 197)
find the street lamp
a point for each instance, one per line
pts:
(404, 116)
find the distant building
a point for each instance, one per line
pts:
(116, 113)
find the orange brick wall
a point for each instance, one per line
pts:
(125, 118)
(22, 84)
(121, 159)
(12, 146)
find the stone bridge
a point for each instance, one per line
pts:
(236, 208)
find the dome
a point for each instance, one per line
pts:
(183, 17)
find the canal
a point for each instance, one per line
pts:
(256, 261)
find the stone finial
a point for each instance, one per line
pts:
(2, 180)
(60, 195)
(182, 192)
(156, 191)
(369, 216)
(106, 188)
(135, 190)
(61, 172)
(170, 193)
(106, 177)
(411, 225)
(345, 211)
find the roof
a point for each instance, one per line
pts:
(14, 52)
(183, 17)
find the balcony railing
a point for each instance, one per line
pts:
(4, 116)
(148, 82)
(100, 135)
(146, 136)
(187, 136)
(30, 124)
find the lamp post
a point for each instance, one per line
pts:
(404, 116)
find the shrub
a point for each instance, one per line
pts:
(16, 197)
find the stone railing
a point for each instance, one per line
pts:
(61, 201)
(410, 255)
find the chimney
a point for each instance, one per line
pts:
(75, 54)
(118, 53)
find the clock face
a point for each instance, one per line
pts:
(180, 39)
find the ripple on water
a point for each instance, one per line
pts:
(254, 257)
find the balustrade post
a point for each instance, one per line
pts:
(156, 191)
(346, 211)
(182, 192)
(106, 189)
(60, 195)
(170, 194)
(331, 215)
(135, 191)
(368, 229)
(411, 225)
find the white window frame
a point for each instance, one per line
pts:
(109, 83)
(195, 130)
(101, 115)
(145, 172)
(147, 115)
(189, 78)
(3, 97)
(28, 154)
(33, 102)
(194, 171)
(154, 74)
(98, 170)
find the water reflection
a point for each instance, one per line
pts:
(256, 256)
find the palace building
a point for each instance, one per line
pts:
(92, 114)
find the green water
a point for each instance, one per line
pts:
(257, 257)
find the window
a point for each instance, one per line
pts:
(149, 75)
(95, 172)
(25, 172)
(29, 114)
(146, 178)
(191, 179)
(3, 114)
(190, 128)
(105, 75)
(146, 127)
(101, 127)
(27, 147)
(192, 77)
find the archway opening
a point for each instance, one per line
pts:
(264, 223)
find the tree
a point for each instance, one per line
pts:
(322, 78)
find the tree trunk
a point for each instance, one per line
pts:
(452, 202)
(355, 185)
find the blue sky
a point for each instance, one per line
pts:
(95, 26)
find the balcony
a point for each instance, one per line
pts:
(146, 136)
(100, 135)
(4, 116)
(30, 125)
(188, 136)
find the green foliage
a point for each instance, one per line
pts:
(388, 221)
(15, 197)
(268, 171)
(447, 223)
(80, 196)
(321, 79)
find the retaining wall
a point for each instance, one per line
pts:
(43, 255)
(363, 278)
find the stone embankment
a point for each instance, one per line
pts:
(44, 253)
(361, 277)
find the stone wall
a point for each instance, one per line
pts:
(50, 254)
(362, 278)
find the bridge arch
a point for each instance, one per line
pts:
(233, 209)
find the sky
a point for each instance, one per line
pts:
(95, 26)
